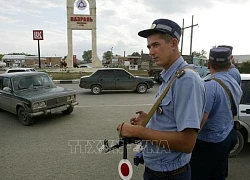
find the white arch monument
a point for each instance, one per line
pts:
(81, 22)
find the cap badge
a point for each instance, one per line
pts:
(159, 110)
(153, 26)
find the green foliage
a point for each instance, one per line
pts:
(1, 56)
(87, 55)
(200, 54)
(136, 54)
(245, 67)
(107, 56)
(22, 53)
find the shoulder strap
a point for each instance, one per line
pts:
(178, 74)
(233, 107)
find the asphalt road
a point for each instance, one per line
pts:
(59, 147)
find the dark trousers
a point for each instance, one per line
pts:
(209, 161)
(181, 174)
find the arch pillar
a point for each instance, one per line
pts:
(82, 22)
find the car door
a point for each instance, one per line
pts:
(244, 108)
(6, 94)
(107, 79)
(1, 89)
(124, 80)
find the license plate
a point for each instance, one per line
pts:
(58, 109)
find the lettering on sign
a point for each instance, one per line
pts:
(37, 34)
(81, 19)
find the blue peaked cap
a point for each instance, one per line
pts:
(220, 55)
(164, 26)
(227, 46)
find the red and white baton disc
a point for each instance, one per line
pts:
(125, 169)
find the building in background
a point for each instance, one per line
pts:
(31, 61)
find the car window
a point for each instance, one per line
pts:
(26, 82)
(15, 70)
(6, 83)
(121, 73)
(246, 92)
(108, 74)
(96, 74)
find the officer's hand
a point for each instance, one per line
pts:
(139, 119)
(128, 130)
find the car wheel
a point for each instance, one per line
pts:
(69, 110)
(23, 117)
(96, 89)
(141, 88)
(238, 147)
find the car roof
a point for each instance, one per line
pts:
(22, 74)
(19, 68)
(111, 69)
(245, 76)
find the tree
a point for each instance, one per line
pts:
(200, 54)
(22, 53)
(1, 56)
(135, 54)
(107, 56)
(87, 55)
(244, 67)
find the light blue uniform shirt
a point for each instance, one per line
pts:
(234, 72)
(218, 106)
(183, 107)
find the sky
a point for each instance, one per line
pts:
(118, 23)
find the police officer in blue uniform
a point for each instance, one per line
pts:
(170, 135)
(233, 71)
(217, 136)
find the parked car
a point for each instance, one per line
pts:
(14, 70)
(84, 66)
(243, 116)
(32, 94)
(115, 79)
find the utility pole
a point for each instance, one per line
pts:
(191, 38)
(182, 35)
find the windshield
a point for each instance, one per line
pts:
(27, 82)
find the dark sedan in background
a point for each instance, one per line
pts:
(115, 79)
(32, 94)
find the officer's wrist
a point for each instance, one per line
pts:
(139, 131)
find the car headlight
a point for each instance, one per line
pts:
(35, 106)
(38, 105)
(71, 98)
(42, 104)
